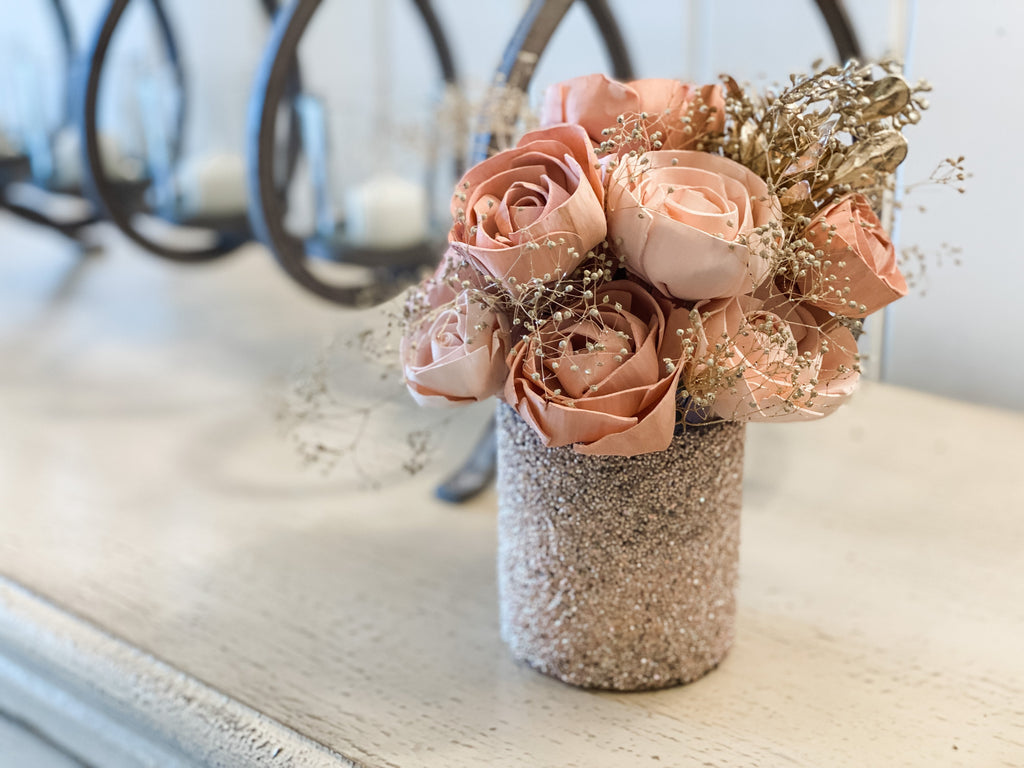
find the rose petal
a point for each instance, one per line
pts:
(652, 431)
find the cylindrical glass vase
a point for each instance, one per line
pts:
(619, 572)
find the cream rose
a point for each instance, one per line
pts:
(685, 221)
(682, 112)
(534, 210)
(776, 361)
(607, 383)
(455, 353)
(861, 275)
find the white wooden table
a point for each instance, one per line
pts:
(175, 589)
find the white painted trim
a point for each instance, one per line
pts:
(117, 707)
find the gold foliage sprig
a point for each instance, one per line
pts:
(826, 134)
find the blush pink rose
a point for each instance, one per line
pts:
(862, 276)
(682, 112)
(455, 353)
(605, 384)
(777, 361)
(685, 221)
(533, 210)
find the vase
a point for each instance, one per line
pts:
(619, 572)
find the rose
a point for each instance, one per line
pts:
(682, 112)
(685, 221)
(856, 273)
(455, 353)
(604, 381)
(777, 360)
(593, 102)
(533, 210)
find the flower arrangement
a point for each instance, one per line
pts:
(658, 254)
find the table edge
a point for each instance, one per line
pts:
(113, 704)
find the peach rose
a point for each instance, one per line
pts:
(605, 383)
(780, 361)
(455, 354)
(683, 112)
(863, 275)
(533, 210)
(685, 221)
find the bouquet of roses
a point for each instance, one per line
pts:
(660, 254)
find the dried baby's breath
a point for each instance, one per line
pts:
(814, 142)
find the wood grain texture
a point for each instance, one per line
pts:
(145, 486)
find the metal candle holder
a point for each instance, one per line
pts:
(24, 167)
(389, 267)
(122, 204)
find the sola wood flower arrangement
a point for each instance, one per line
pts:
(658, 264)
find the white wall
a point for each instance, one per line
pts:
(953, 338)
(958, 339)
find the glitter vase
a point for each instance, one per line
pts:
(619, 572)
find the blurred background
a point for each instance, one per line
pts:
(374, 120)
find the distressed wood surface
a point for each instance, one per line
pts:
(145, 486)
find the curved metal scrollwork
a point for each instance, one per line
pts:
(19, 168)
(295, 254)
(267, 209)
(123, 201)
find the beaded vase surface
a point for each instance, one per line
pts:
(619, 572)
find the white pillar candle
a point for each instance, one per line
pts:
(67, 159)
(212, 186)
(8, 148)
(387, 212)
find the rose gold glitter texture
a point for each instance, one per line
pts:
(619, 572)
